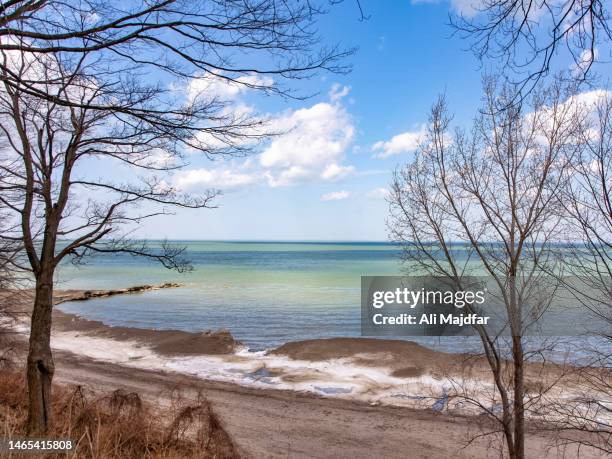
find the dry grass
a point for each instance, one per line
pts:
(119, 424)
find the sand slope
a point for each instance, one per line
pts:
(275, 423)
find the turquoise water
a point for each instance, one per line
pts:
(265, 293)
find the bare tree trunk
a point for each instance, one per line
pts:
(519, 409)
(40, 360)
(508, 434)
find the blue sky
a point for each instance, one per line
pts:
(325, 180)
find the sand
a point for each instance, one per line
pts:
(163, 342)
(275, 422)
(403, 358)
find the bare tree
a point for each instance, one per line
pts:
(97, 81)
(588, 207)
(588, 265)
(11, 285)
(485, 202)
(279, 38)
(527, 37)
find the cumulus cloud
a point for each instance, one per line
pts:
(378, 193)
(401, 143)
(335, 196)
(215, 178)
(584, 104)
(226, 95)
(589, 98)
(313, 145)
(310, 145)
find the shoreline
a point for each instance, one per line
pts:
(375, 371)
(284, 423)
(294, 394)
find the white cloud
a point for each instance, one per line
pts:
(211, 87)
(401, 143)
(334, 171)
(313, 145)
(586, 104)
(581, 65)
(583, 104)
(219, 178)
(227, 94)
(335, 196)
(378, 193)
(247, 129)
(589, 98)
(337, 92)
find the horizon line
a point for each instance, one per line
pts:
(256, 240)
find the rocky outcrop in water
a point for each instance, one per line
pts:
(82, 295)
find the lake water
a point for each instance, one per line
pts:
(265, 293)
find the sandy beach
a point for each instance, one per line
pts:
(281, 423)
(341, 397)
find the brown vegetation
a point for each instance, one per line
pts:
(119, 424)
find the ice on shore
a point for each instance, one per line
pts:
(337, 377)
